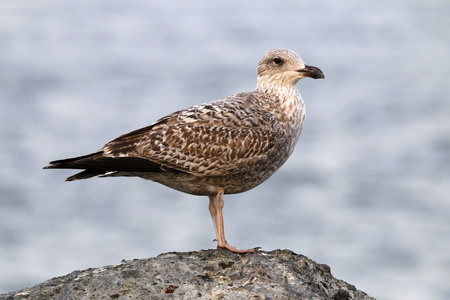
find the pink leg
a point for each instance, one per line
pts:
(215, 208)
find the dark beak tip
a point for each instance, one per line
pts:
(313, 72)
(317, 73)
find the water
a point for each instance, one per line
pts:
(366, 191)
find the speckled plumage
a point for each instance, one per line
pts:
(225, 146)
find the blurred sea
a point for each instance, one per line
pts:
(367, 190)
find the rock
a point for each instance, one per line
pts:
(205, 274)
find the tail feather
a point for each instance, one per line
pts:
(96, 164)
(85, 174)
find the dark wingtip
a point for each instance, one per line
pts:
(56, 164)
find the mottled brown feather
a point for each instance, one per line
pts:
(212, 139)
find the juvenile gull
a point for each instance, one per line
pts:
(222, 147)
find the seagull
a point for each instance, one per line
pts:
(226, 146)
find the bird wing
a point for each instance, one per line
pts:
(213, 139)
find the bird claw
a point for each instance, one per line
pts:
(236, 250)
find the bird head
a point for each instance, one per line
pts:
(284, 67)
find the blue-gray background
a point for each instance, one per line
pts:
(367, 190)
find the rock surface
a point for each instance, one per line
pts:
(205, 274)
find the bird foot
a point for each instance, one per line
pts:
(234, 249)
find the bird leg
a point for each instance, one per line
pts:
(215, 208)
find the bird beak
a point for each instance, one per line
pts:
(313, 72)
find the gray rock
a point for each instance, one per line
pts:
(205, 274)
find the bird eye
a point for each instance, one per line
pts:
(277, 60)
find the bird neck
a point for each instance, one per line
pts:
(285, 103)
(285, 97)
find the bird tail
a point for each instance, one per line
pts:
(96, 164)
